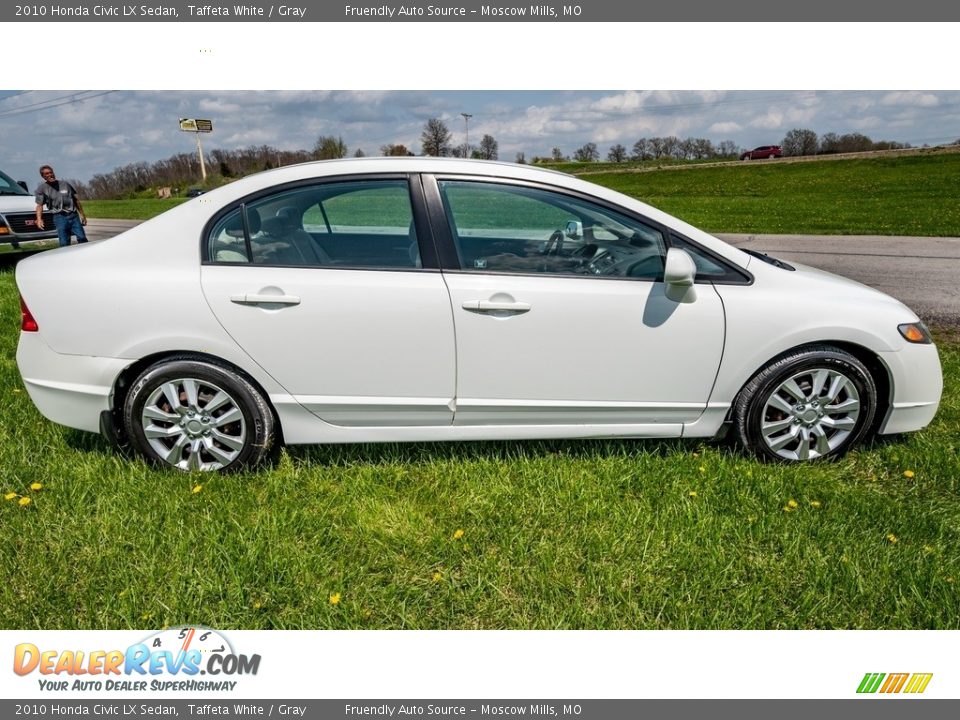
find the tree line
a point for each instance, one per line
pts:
(182, 169)
(802, 141)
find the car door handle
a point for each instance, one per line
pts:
(257, 299)
(495, 306)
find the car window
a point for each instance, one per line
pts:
(358, 224)
(516, 229)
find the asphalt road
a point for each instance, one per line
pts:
(921, 272)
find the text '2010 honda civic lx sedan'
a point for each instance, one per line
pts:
(409, 299)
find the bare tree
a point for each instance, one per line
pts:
(359, 153)
(488, 149)
(800, 141)
(392, 150)
(728, 148)
(617, 154)
(587, 153)
(703, 149)
(556, 154)
(829, 143)
(671, 145)
(435, 138)
(329, 147)
(656, 147)
(521, 158)
(641, 149)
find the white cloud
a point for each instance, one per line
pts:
(912, 98)
(725, 127)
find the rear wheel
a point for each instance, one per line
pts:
(194, 415)
(813, 403)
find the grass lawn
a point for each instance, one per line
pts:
(910, 195)
(478, 535)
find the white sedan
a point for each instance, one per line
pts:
(412, 299)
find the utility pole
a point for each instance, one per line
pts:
(466, 132)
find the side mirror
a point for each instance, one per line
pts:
(23, 184)
(679, 274)
(574, 230)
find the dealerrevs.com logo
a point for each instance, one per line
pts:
(172, 659)
(912, 683)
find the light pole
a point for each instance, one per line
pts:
(466, 132)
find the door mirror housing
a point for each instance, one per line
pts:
(679, 274)
(574, 230)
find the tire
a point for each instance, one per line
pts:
(809, 404)
(192, 415)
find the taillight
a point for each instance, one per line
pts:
(27, 324)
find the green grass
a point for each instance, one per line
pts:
(137, 209)
(910, 195)
(554, 534)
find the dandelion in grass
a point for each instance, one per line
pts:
(792, 504)
(928, 549)
(815, 504)
(24, 501)
(257, 604)
(908, 474)
(892, 539)
(458, 533)
(196, 489)
(10, 496)
(703, 469)
(335, 599)
(437, 576)
(692, 493)
(36, 486)
(787, 509)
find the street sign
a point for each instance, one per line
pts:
(193, 125)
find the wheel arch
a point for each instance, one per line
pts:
(129, 374)
(871, 360)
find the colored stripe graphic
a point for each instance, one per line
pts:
(870, 682)
(918, 682)
(894, 683)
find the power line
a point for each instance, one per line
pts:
(53, 102)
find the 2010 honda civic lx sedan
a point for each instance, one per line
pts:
(407, 299)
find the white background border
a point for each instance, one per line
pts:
(514, 56)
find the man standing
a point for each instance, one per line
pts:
(60, 198)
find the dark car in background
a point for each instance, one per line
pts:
(762, 153)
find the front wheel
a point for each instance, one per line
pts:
(813, 403)
(193, 415)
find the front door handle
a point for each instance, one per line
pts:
(487, 306)
(258, 299)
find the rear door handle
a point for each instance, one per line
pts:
(257, 299)
(485, 306)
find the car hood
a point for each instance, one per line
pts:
(17, 203)
(826, 285)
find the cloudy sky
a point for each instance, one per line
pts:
(82, 133)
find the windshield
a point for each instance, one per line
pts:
(8, 186)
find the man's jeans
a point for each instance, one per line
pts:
(69, 224)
